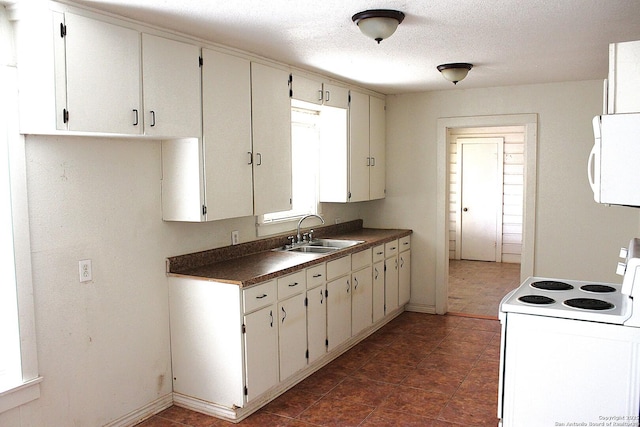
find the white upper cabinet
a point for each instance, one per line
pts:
(316, 92)
(87, 73)
(172, 94)
(359, 159)
(352, 163)
(367, 147)
(103, 76)
(271, 119)
(226, 108)
(622, 92)
(377, 148)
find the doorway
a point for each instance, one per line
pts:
(448, 245)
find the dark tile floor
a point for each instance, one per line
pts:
(418, 370)
(476, 287)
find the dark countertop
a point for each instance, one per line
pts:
(259, 264)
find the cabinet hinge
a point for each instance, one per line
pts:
(246, 391)
(326, 293)
(306, 302)
(349, 195)
(306, 355)
(200, 61)
(326, 342)
(349, 99)
(244, 328)
(65, 116)
(63, 30)
(385, 266)
(290, 85)
(204, 209)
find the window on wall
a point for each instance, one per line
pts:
(10, 364)
(305, 140)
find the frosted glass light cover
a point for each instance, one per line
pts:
(378, 28)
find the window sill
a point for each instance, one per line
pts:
(17, 396)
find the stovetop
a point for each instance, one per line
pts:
(569, 299)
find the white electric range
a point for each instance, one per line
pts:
(570, 351)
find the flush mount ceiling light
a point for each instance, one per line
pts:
(455, 72)
(378, 24)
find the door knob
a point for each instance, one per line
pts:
(465, 209)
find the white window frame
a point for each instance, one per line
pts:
(28, 388)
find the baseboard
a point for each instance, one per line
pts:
(421, 308)
(143, 413)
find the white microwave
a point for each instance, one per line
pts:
(615, 159)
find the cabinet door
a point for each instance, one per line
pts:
(378, 290)
(172, 92)
(306, 89)
(103, 76)
(391, 284)
(226, 107)
(362, 300)
(316, 322)
(359, 158)
(338, 311)
(335, 96)
(404, 277)
(271, 115)
(261, 351)
(377, 147)
(292, 333)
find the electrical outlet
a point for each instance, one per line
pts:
(235, 237)
(84, 267)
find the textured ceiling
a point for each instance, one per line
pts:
(510, 42)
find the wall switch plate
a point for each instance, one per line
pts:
(84, 267)
(235, 237)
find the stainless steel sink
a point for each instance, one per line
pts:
(321, 246)
(312, 249)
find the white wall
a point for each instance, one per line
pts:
(575, 237)
(103, 347)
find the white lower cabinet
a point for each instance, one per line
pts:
(404, 277)
(391, 276)
(261, 351)
(292, 335)
(292, 324)
(234, 348)
(378, 282)
(338, 302)
(362, 295)
(316, 312)
(361, 300)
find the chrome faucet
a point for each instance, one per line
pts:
(299, 237)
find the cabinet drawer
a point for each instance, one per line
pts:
(404, 243)
(360, 259)
(316, 275)
(391, 248)
(378, 253)
(259, 296)
(338, 267)
(291, 284)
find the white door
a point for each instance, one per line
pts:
(261, 351)
(338, 311)
(171, 87)
(316, 322)
(480, 198)
(226, 105)
(103, 83)
(292, 333)
(271, 121)
(361, 301)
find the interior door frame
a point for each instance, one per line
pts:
(530, 122)
(499, 141)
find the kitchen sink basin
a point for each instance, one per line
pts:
(312, 249)
(321, 246)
